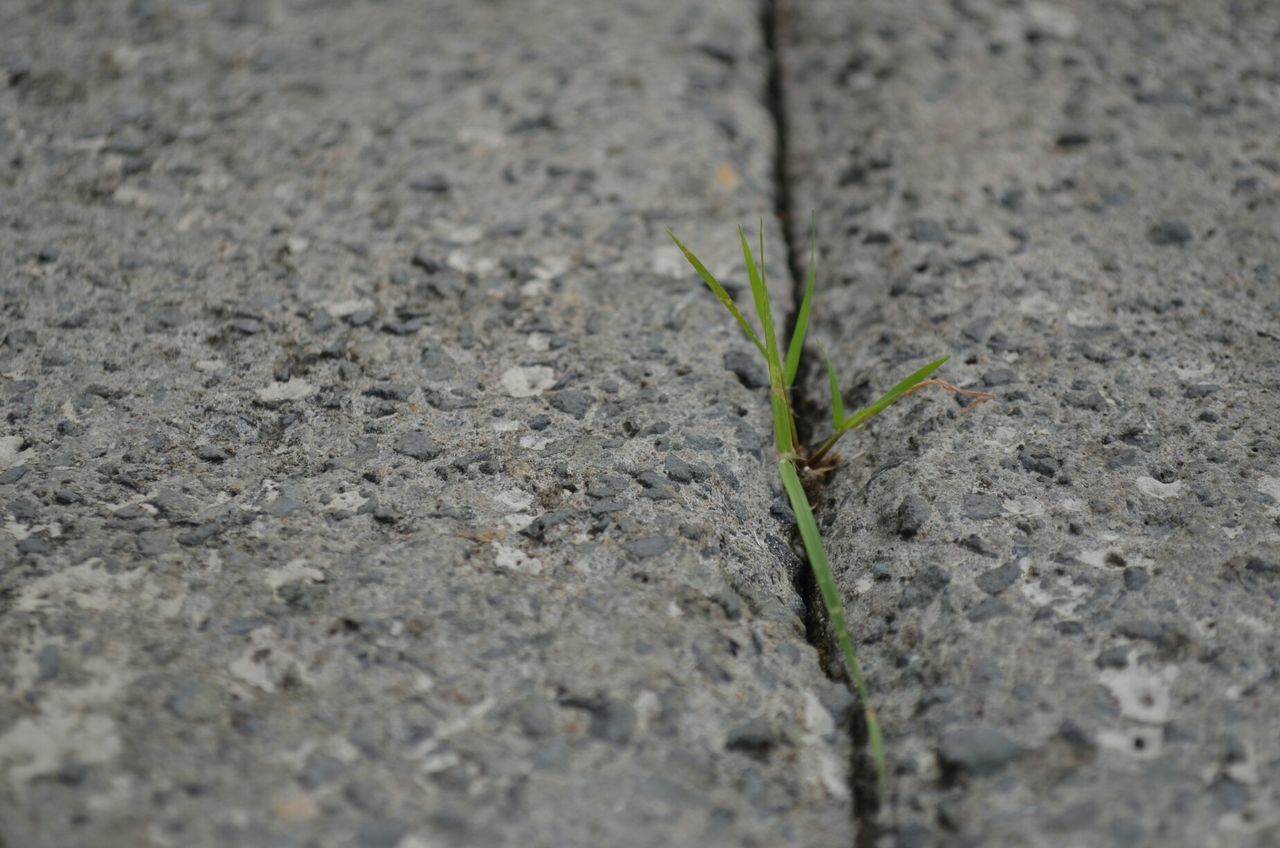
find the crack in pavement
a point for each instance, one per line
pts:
(863, 787)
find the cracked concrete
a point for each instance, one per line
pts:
(371, 471)
(374, 473)
(1066, 600)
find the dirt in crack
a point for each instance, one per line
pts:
(862, 771)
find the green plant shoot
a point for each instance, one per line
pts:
(782, 375)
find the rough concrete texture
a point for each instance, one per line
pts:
(1066, 600)
(372, 472)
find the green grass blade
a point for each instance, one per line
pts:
(783, 427)
(719, 292)
(831, 600)
(837, 402)
(760, 294)
(867, 413)
(802, 316)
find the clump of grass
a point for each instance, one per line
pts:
(793, 458)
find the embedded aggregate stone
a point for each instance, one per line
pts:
(913, 512)
(337, 341)
(980, 751)
(417, 445)
(747, 368)
(1073, 200)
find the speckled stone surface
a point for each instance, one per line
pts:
(372, 470)
(1067, 599)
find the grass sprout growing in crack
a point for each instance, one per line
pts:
(793, 458)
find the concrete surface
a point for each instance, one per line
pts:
(371, 473)
(1067, 600)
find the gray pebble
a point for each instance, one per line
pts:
(924, 587)
(417, 445)
(152, 543)
(678, 470)
(430, 183)
(201, 534)
(195, 701)
(1135, 578)
(608, 486)
(998, 377)
(1113, 657)
(649, 546)
(395, 394)
(1122, 458)
(283, 506)
(977, 751)
(605, 506)
(34, 545)
(749, 372)
(989, 608)
(537, 718)
(981, 507)
(1039, 461)
(573, 402)
(423, 259)
(928, 231)
(405, 328)
(212, 453)
(1156, 632)
(705, 443)
(996, 580)
(174, 506)
(651, 479)
(1169, 232)
(613, 721)
(913, 512)
(538, 528)
(1200, 390)
(438, 365)
(1071, 139)
(322, 321)
(1259, 565)
(756, 739)
(979, 545)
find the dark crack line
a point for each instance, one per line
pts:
(862, 774)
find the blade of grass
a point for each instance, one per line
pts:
(719, 291)
(802, 316)
(783, 428)
(837, 402)
(831, 600)
(761, 297)
(868, 412)
(865, 414)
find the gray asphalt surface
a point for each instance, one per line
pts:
(374, 472)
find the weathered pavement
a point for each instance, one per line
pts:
(372, 473)
(1068, 599)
